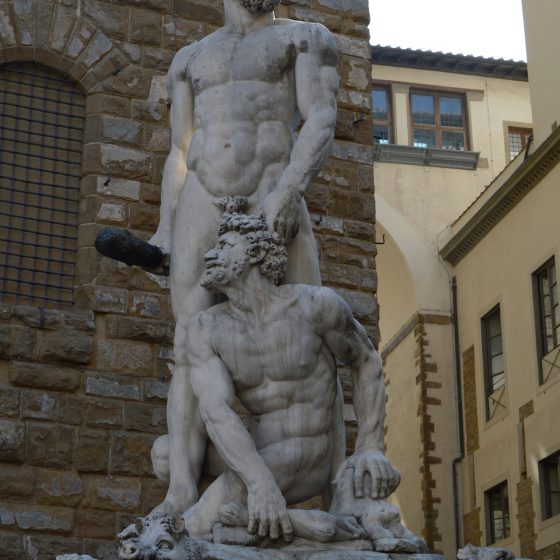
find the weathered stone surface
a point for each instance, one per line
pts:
(126, 357)
(59, 488)
(48, 547)
(146, 305)
(145, 27)
(112, 387)
(11, 546)
(12, 441)
(140, 329)
(71, 409)
(130, 454)
(116, 494)
(43, 376)
(121, 188)
(145, 418)
(50, 446)
(102, 413)
(95, 524)
(53, 520)
(155, 389)
(68, 345)
(16, 483)
(92, 451)
(109, 17)
(39, 405)
(9, 401)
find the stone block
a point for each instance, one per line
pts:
(145, 27)
(23, 15)
(39, 405)
(67, 345)
(23, 343)
(116, 494)
(104, 414)
(17, 483)
(106, 128)
(145, 418)
(9, 401)
(102, 549)
(12, 441)
(155, 389)
(153, 494)
(111, 18)
(145, 305)
(119, 188)
(158, 139)
(130, 454)
(64, 20)
(38, 547)
(205, 11)
(129, 82)
(71, 409)
(40, 518)
(348, 276)
(96, 50)
(50, 445)
(157, 59)
(43, 376)
(11, 546)
(44, 12)
(121, 162)
(125, 357)
(82, 34)
(95, 523)
(92, 451)
(179, 31)
(111, 386)
(144, 217)
(5, 341)
(102, 103)
(103, 299)
(147, 330)
(353, 205)
(61, 488)
(150, 111)
(360, 230)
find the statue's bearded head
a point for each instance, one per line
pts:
(255, 6)
(244, 241)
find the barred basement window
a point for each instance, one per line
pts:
(41, 129)
(498, 525)
(549, 478)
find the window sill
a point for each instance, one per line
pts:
(427, 157)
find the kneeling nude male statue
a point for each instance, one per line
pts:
(274, 348)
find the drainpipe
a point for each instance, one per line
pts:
(459, 393)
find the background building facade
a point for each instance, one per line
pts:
(85, 344)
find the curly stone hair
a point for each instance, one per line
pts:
(255, 6)
(255, 228)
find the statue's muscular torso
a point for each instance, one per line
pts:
(286, 380)
(245, 106)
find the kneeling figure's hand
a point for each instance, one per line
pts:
(268, 515)
(384, 477)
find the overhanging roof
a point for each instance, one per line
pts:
(448, 62)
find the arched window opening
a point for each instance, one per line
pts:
(41, 134)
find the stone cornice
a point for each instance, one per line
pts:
(499, 204)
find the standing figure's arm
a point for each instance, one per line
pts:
(348, 341)
(213, 386)
(182, 128)
(317, 84)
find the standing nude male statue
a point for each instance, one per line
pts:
(237, 98)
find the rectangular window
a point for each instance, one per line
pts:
(493, 356)
(497, 513)
(438, 120)
(517, 140)
(382, 125)
(549, 477)
(547, 311)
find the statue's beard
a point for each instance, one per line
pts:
(255, 6)
(218, 276)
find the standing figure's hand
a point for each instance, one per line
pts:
(268, 515)
(384, 477)
(282, 210)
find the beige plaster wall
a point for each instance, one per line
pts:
(498, 270)
(543, 50)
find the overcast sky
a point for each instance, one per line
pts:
(491, 28)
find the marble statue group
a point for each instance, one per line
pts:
(255, 403)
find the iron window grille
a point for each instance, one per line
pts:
(493, 361)
(517, 140)
(547, 320)
(382, 115)
(498, 525)
(438, 120)
(549, 476)
(41, 131)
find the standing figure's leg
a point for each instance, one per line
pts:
(195, 232)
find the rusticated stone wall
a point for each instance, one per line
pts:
(82, 389)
